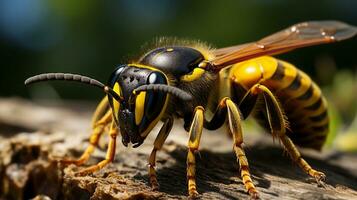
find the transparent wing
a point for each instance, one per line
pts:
(297, 36)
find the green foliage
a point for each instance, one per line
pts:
(343, 96)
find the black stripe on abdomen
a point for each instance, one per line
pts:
(319, 117)
(307, 95)
(296, 83)
(279, 73)
(315, 106)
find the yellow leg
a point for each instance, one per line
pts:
(110, 152)
(296, 157)
(235, 128)
(98, 129)
(159, 141)
(100, 111)
(277, 124)
(193, 144)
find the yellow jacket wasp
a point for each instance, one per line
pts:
(187, 79)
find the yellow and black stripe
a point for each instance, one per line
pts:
(300, 98)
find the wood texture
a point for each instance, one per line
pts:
(33, 134)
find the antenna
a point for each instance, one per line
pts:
(75, 78)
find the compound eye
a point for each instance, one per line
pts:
(152, 78)
(119, 69)
(115, 75)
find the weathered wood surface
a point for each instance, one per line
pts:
(31, 135)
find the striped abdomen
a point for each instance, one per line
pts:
(300, 98)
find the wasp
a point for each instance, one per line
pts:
(207, 87)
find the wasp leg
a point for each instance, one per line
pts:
(98, 130)
(110, 152)
(277, 123)
(159, 141)
(193, 144)
(100, 111)
(227, 107)
(235, 128)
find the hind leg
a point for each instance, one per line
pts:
(277, 124)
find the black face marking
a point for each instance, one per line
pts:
(296, 83)
(177, 61)
(307, 94)
(279, 72)
(131, 79)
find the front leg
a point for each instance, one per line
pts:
(110, 152)
(159, 141)
(98, 129)
(193, 144)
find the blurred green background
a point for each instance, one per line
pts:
(92, 37)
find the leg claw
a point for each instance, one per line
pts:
(320, 179)
(154, 186)
(254, 195)
(194, 195)
(83, 172)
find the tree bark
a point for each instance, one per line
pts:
(33, 136)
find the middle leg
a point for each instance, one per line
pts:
(235, 128)
(227, 107)
(193, 144)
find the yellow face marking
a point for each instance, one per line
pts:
(139, 107)
(170, 49)
(116, 104)
(196, 74)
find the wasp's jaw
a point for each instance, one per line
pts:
(129, 131)
(126, 139)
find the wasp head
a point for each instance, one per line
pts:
(138, 111)
(137, 94)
